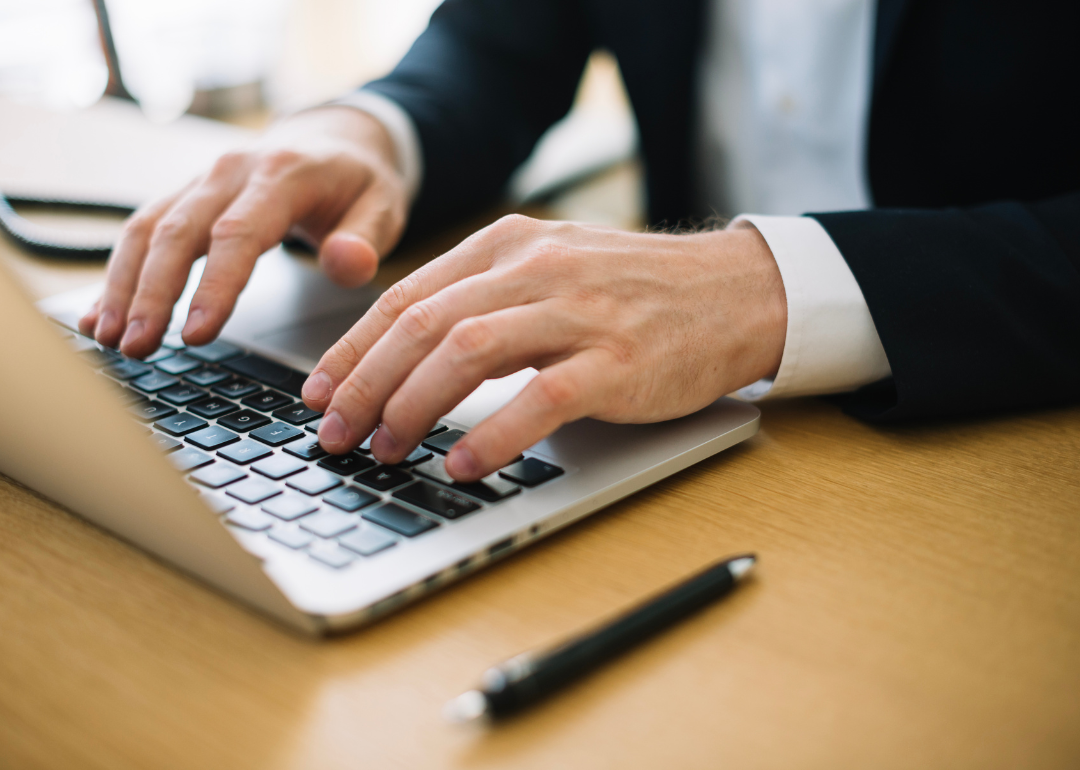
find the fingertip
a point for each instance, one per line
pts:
(462, 464)
(348, 259)
(107, 329)
(199, 329)
(317, 390)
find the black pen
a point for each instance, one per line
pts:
(527, 678)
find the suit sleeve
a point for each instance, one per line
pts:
(978, 309)
(482, 84)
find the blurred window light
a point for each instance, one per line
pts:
(50, 52)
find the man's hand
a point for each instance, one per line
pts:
(328, 174)
(623, 327)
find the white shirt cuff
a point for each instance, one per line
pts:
(832, 344)
(399, 124)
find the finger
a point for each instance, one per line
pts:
(472, 256)
(562, 393)
(476, 349)
(357, 403)
(180, 237)
(89, 321)
(257, 220)
(122, 272)
(367, 232)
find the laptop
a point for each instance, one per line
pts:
(206, 457)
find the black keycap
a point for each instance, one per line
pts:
(164, 443)
(206, 377)
(489, 489)
(313, 427)
(268, 373)
(151, 410)
(436, 499)
(314, 481)
(253, 490)
(442, 442)
(306, 448)
(180, 424)
(180, 364)
(384, 477)
(181, 394)
(439, 428)
(244, 421)
(415, 457)
(291, 535)
(297, 414)
(153, 382)
(237, 387)
(267, 401)
(217, 475)
(215, 352)
(126, 370)
(212, 408)
(276, 433)
(189, 458)
(367, 541)
(159, 355)
(531, 472)
(400, 520)
(278, 466)
(346, 464)
(249, 518)
(291, 506)
(330, 554)
(328, 523)
(212, 438)
(350, 498)
(246, 451)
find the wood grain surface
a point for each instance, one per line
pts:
(917, 604)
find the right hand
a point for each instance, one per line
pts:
(328, 174)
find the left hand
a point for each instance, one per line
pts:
(624, 327)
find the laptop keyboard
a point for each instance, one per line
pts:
(232, 422)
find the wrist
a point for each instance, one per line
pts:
(362, 131)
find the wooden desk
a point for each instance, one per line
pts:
(917, 605)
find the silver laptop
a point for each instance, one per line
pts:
(206, 458)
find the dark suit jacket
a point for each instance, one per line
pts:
(970, 260)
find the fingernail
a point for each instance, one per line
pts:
(133, 333)
(462, 463)
(332, 430)
(195, 320)
(317, 387)
(106, 325)
(383, 443)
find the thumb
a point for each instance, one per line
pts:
(367, 232)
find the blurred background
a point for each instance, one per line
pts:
(246, 61)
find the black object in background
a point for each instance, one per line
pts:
(51, 242)
(528, 678)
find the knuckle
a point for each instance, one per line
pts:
(471, 340)
(356, 392)
(556, 393)
(419, 321)
(395, 300)
(231, 228)
(279, 161)
(138, 225)
(229, 163)
(173, 227)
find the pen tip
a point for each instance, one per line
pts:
(738, 567)
(466, 707)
